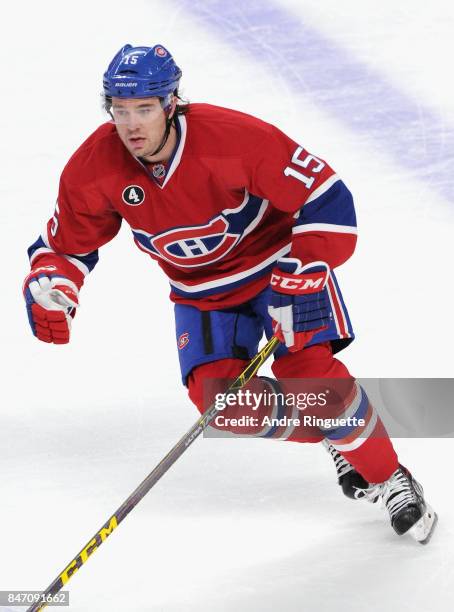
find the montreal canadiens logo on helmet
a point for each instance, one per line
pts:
(133, 195)
(160, 52)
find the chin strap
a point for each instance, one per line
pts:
(165, 137)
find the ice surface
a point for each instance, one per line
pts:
(236, 524)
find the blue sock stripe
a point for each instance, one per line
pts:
(337, 433)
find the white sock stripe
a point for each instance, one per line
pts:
(351, 409)
(274, 413)
(359, 441)
(290, 425)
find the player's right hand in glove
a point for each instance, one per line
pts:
(299, 303)
(51, 299)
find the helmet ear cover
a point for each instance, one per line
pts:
(166, 102)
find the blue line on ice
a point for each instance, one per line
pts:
(389, 120)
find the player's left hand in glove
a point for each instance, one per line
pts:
(299, 303)
(51, 300)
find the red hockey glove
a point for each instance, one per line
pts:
(299, 303)
(51, 301)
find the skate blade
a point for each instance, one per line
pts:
(422, 530)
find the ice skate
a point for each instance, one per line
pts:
(353, 484)
(403, 497)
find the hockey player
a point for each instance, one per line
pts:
(248, 226)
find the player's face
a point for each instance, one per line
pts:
(140, 124)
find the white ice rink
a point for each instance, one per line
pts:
(236, 525)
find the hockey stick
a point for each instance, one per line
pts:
(152, 478)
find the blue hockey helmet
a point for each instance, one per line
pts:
(141, 72)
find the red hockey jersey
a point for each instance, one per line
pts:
(238, 194)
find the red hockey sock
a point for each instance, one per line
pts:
(370, 452)
(376, 458)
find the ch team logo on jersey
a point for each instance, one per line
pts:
(133, 195)
(196, 246)
(201, 245)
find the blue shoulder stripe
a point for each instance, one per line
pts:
(333, 206)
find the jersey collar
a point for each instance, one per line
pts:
(174, 161)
